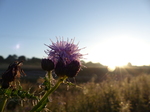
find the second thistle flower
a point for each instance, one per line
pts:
(66, 57)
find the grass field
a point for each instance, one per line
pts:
(123, 90)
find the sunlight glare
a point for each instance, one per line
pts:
(119, 51)
(111, 68)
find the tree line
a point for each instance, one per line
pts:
(12, 58)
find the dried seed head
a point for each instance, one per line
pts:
(14, 70)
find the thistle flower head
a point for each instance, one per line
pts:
(64, 50)
(64, 55)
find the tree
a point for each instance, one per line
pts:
(2, 59)
(11, 58)
(129, 64)
(22, 58)
(34, 60)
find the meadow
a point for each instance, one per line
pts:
(96, 90)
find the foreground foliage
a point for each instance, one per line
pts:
(129, 95)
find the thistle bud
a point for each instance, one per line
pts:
(60, 68)
(47, 64)
(73, 68)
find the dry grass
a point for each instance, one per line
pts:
(98, 92)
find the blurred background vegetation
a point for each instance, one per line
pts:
(32, 67)
(126, 89)
(33, 62)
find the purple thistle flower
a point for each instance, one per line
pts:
(63, 53)
(65, 50)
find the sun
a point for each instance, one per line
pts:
(120, 51)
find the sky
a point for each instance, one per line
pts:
(114, 32)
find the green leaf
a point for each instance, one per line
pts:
(14, 93)
(8, 92)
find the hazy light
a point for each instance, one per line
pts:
(118, 51)
(17, 46)
(111, 68)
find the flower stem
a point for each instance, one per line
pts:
(51, 90)
(2, 104)
(50, 78)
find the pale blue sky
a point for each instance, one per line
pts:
(114, 32)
